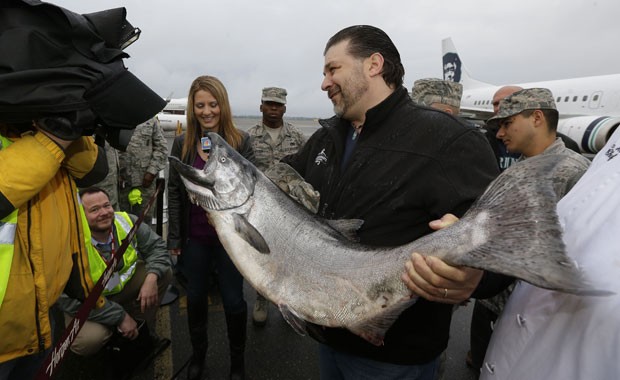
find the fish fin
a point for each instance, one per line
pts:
(250, 234)
(347, 227)
(373, 330)
(293, 319)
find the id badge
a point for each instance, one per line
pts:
(205, 143)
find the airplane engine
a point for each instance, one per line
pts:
(590, 132)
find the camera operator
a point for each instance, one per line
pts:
(41, 240)
(68, 76)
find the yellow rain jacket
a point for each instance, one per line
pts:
(36, 177)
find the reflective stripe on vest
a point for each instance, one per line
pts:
(97, 264)
(8, 226)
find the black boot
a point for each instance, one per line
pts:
(197, 321)
(236, 325)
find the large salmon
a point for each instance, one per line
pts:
(315, 271)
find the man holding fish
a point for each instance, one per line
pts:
(396, 166)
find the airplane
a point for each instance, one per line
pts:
(589, 107)
(172, 117)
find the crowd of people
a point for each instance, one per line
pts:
(376, 128)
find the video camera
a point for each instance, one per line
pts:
(65, 71)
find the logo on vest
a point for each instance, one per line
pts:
(321, 158)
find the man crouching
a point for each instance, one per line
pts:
(136, 286)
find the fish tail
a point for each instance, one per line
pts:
(513, 228)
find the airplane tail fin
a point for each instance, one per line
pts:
(454, 69)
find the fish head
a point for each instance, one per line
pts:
(226, 182)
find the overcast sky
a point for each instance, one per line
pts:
(249, 45)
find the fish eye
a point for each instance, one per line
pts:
(222, 159)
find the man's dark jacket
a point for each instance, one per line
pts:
(411, 165)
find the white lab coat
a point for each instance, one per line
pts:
(543, 334)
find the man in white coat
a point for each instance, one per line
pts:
(543, 334)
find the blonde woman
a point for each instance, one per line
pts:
(193, 239)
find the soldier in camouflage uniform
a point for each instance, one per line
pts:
(274, 138)
(445, 96)
(527, 119)
(438, 93)
(146, 155)
(271, 140)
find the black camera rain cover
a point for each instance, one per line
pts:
(54, 62)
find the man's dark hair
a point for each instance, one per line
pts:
(92, 190)
(364, 41)
(551, 116)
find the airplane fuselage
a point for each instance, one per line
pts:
(584, 96)
(589, 107)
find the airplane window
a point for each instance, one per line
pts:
(575, 98)
(559, 99)
(595, 98)
(566, 98)
(585, 97)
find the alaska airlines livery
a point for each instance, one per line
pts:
(589, 107)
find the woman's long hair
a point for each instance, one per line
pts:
(226, 128)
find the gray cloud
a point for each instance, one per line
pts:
(250, 45)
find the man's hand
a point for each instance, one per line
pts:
(175, 251)
(433, 279)
(148, 179)
(128, 327)
(148, 296)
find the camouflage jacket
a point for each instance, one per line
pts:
(147, 151)
(110, 183)
(269, 152)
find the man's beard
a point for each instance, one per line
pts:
(351, 92)
(101, 229)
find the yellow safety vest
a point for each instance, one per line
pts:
(8, 226)
(97, 264)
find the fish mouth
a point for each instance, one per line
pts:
(226, 182)
(199, 187)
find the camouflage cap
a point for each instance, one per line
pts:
(527, 99)
(274, 94)
(432, 90)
